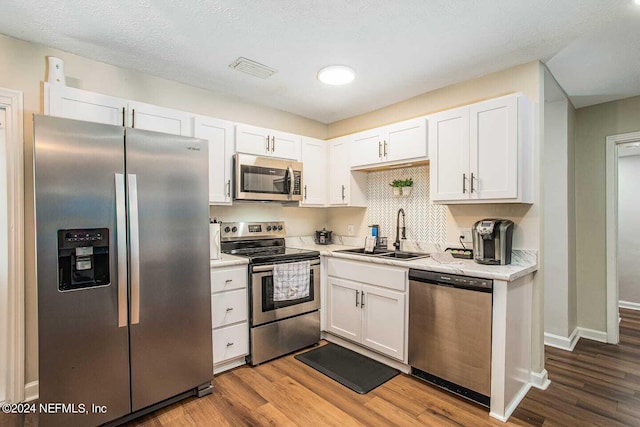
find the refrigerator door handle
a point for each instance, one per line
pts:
(121, 236)
(134, 247)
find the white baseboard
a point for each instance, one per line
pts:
(227, 365)
(31, 391)
(540, 379)
(513, 404)
(592, 334)
(563, 343)
(628, 304)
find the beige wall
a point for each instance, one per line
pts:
(593, 125)
(22, 67)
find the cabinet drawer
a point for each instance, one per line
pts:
(379, 275)
(226, 279)
(229, 307)
(230, 342)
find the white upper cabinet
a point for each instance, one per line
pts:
(77, 104)
(219, 133)
(267, 142)
(396, 143)
(482, 153)
(72, 103)
(160, 119)
(314, 173)
(346, 188)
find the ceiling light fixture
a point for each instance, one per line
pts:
(637, 2)
(336, 75)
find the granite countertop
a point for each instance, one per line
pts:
(523, 262)
(228, 261)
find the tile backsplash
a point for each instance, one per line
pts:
(425, 222)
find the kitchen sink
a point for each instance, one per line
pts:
(384, 253)
(404, 255)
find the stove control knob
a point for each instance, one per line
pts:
(227, 229)
(279, 228)
(234, 229)
(268, 228)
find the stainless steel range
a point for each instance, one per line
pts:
(278, 325)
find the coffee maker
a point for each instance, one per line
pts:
(492, 241)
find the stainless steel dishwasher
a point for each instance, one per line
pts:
(450, 332)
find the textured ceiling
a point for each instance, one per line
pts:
(399, 49)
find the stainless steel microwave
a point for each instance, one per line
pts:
(267, 179)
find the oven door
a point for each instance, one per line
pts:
(263, 178)
(264, 309)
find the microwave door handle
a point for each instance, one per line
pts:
(290, 181)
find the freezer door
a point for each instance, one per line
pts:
(82, 332)
(171, 349)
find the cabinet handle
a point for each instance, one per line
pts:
(133, 118)
(123, 117)
(472, 177)
(228, 281)
(229, 344)
(267, 142)
(385, 148)
(380, 149)
(464, 183)
(362, 300)
(343, 192)
(305, 192)
(229, 188)
(229, 309)
(357, 295)
(273, 144)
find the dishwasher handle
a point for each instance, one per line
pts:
(451, 280)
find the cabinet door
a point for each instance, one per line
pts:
(219, 133)
(383, 320)
(344, 315)
(160, 119)
(406, 140)
(285, 145)
(253, 140)
(494, 149)
(71, 103)
(314, 177)
(449, 155)
(367, 148)
(338, 171)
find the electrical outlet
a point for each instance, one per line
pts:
(465, 234)
(351, 230)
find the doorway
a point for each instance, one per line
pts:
(622, 164)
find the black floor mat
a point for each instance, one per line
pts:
(349, 368)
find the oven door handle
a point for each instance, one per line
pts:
(263, 268)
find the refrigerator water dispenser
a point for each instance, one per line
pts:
(83, 258)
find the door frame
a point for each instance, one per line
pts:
(612, 143)
(12, 102)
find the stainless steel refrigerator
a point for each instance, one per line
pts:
(124, 308)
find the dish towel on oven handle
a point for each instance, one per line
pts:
(291, 280)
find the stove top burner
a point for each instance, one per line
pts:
(261, 246)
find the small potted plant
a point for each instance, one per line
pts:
(402, 187)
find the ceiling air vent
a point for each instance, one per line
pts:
(253, 68)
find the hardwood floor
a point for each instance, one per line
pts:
(596, 384)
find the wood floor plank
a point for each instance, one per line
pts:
(274, 417)
(392, 413)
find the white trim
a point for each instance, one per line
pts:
(629, 305)
(11, 102)
(513, 404)
(221, 367)
(612, 142)
(540, 380)
(31, 391)
(592, 334)
(563, 343)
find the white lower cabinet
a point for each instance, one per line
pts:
(372, 314)
(229, 317)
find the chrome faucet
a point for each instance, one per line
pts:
(396, 244)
